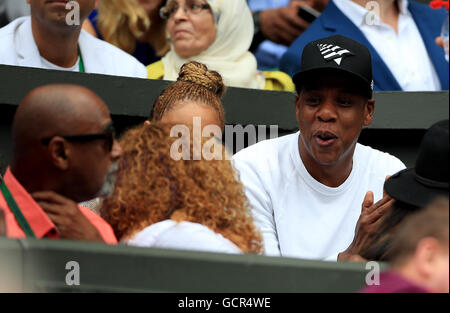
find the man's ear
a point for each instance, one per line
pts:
(147, 123)
(59, 152)
(425, 255)
(368, 112)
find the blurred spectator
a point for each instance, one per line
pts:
(439, 4)
(63, 152)
(196, 93)
(277, 25)
(46, 40)
(401, 39)
(17, 8)
(87, 25)
(12, 9)
(217, 34)
(412, 189)
(306, 189)
(134, 26)
(3, 18)
(419, 254)
(188, 204)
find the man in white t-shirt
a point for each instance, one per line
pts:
(307, 189)
(52, 38)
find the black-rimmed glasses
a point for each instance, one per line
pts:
(191, 7)
(108, 135)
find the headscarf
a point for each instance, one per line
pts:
(228, 54)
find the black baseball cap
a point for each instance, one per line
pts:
(338, 53)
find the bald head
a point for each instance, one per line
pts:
(55, 110)
(57, 113)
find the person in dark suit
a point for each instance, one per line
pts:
(417, 64)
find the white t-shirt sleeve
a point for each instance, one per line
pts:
(261, 204)
(395, 165)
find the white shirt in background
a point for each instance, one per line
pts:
(404, 53)
(169, 234)
(18, 48)
(297, 215)
(51, 66)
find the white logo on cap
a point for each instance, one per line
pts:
(332, 52)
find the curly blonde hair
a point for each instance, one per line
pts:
(195, 83)
(151, 187)
(122, 22)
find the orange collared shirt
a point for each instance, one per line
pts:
(39, 222)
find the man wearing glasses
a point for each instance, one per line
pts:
(64, 152)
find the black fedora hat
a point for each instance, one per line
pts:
(429, 178)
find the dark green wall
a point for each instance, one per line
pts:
(399, 124)
(40, 266)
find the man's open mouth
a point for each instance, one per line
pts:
(325, 138)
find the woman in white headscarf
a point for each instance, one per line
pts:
(217, 33)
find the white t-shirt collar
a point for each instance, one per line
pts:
(51, 66)
(311, 181)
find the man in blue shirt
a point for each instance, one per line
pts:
(421, 53)
(277, 25)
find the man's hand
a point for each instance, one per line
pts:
(282, 25)
(67, 217)
(368, 223)
(440, 41)
(2, 224)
